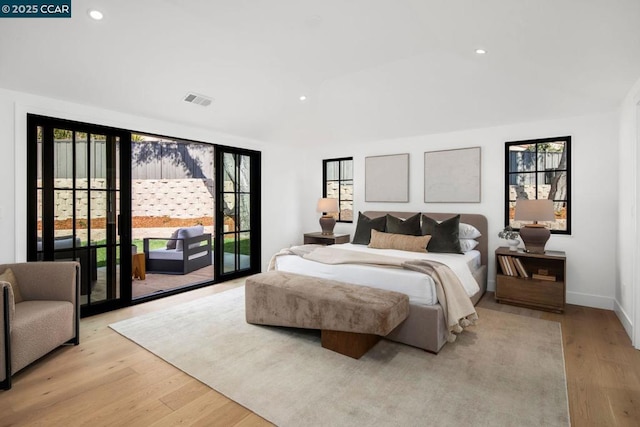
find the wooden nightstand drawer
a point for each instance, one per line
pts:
(530, 291)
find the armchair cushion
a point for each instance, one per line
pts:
(9, 277)
(39, 327)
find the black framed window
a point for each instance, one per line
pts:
(539, 169)
(337, 183)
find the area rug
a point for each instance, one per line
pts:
(506, 371)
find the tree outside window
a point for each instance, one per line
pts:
(337, 181)
(540, 169)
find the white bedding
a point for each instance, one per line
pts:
(419, 287)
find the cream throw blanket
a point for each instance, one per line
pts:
(458, 309)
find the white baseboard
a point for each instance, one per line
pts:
(627, 323)
(576, 298)
(587, 300)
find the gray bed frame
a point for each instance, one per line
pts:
(425, 327)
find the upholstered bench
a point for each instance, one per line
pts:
(352, 318)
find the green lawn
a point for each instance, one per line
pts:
(245, 246)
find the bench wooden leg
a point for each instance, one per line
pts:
(350, 344)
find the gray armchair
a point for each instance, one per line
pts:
(47, 317)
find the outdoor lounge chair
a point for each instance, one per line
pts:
(192, 252)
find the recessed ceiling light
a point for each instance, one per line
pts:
(481, 51)
(96, 14)
(303, 98)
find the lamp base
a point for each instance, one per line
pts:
(534, 237)
(327, 223)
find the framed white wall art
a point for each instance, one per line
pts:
(452, 176)
(387, 178)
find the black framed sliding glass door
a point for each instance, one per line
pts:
(237, 213)
(75, 200)
(82, 206)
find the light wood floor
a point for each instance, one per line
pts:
(108, 380)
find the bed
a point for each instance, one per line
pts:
(425, 327)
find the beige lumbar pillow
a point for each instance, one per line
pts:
(403, 242)
(8, 276)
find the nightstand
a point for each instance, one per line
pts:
(532, 280)
(325, 239)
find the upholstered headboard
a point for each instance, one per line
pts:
(477, 220)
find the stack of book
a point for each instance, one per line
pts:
(544, 275)
(512, 266)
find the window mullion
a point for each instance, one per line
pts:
(339, 189)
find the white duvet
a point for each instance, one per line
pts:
(419, 287)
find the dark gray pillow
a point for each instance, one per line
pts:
(364, 227)
(444, 235)
(409, 226)
(171, 244)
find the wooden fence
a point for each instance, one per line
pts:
(149, 160)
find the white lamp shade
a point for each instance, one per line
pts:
(534, 210)
(327, 205)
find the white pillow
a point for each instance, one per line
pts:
(468, 231)
(467, 244)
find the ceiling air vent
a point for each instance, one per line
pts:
(194, 98)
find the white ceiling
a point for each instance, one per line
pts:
(371, 69)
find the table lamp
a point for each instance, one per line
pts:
(534, 236)
(327, 207)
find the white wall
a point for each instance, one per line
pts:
(292, 182)
(591, 248)
(280, 214)
(627, 306)
(8, 172)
